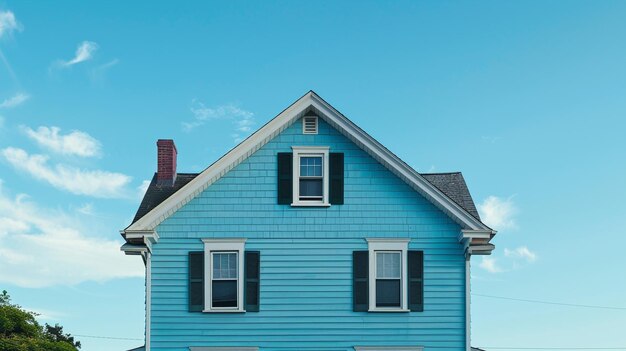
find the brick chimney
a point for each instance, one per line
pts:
(166, 162)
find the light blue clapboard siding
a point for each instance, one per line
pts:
(306, 259)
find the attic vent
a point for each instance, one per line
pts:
(309, 125)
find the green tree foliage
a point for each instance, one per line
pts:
(20, 331)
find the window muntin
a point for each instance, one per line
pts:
(311, 178)
(224, 280)
(388, 278)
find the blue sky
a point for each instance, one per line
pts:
(528, 99)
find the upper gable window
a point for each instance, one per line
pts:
(310, 176)
(309, 125)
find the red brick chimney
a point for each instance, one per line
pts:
(166, 162)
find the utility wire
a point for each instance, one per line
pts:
(554, 303)
(105, 337)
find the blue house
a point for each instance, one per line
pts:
(308, 235)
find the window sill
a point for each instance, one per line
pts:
(392, 310)
(224, 311)
(304, 204)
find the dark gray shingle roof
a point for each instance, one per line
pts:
(453, 185)
(158, 193)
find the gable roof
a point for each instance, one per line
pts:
(309, 102)
(451, 184)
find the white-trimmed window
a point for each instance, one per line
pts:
(388, 274)
(310, 176)
(223, 275)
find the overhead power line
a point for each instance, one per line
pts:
(552, 303)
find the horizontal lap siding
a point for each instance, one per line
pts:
(306, 260)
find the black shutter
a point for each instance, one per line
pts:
(360, 281)
(252, 260)
(416, 280)
(285, 178)
(196, 281)
(335, 170)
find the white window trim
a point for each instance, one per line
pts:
(304, 151)
(388, 244)
(231, 245)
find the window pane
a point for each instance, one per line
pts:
(216, 266)
(224, 293)
(225, 265)
(387, 292)
(388, 265)
(310, 166)
(311, 187)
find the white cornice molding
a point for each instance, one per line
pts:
(262, 136)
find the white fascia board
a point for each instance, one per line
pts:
(147, 235)
(277, 125)
(476, 234)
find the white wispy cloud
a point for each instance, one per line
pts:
(14, 100)
(77, 181)
(490, 139)
(86, 209)
(521, 252)
(8, 23)
(75, 143)
(243, 120)
(98, 73)
(498, 213)
(84, 52)
(41, 248)
(490, 265)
